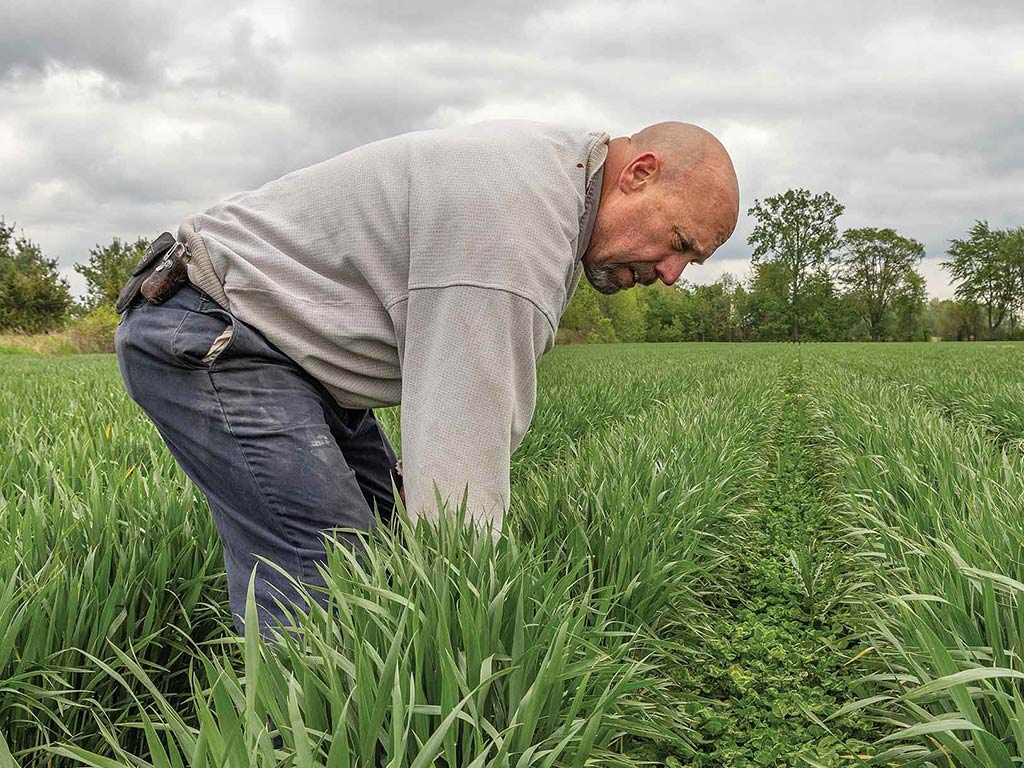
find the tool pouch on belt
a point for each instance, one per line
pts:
(158, 275)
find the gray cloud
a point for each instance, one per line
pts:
(121, 117)
(120, 39)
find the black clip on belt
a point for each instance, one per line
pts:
(160, 272)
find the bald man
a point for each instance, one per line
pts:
(669, 197)
(430, 269)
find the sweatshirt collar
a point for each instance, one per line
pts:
(590, 206)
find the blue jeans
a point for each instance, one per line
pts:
(280, 462)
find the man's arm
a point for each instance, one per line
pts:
(469, 386)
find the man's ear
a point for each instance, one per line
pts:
(639, 172)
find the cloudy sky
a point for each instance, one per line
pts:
(119, 118)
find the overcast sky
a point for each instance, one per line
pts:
(120, 118)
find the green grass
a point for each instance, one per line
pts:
(777, 661)
(942, 509)
(718, 555)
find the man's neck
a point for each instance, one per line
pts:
(616, 159)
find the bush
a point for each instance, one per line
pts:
(94, 332)
(34, 297)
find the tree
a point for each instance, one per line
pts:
(669, 313)
(767, 310)
(908, 308)
(1011, 254)
(627, 311)
(729, 307)
(986, 278)
(797, 232)
(712, 310)
(828, 316)
(33, 296)
(948, 319)
(875, 264)
(740, 312)
(583, 320)
(109, 268)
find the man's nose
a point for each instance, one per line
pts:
(670, 270)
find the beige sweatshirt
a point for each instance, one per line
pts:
(429, 269)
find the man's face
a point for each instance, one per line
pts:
(653, 234)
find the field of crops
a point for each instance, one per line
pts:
(719, 555)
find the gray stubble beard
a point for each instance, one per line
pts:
(602, 280)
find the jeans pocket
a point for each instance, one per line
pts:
(203, 336)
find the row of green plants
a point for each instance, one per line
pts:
(550, 647)
(981, 386)
(780, 653)
(940, 506)
(100, 548)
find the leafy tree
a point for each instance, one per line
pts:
(627, 311)
(33, 296)
(1011, 254)
(712, 311)
(726, 306)
(797, 232)
(669, 313)
(827, 317)
(768, 311)
(979, 262)
(109, 268)
(740, 312)
(908, 307)
(949, 319)
(583, 320)
(875, 265)
(809, 283)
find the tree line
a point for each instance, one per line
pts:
(809, 281)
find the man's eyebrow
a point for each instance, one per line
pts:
(688, 246)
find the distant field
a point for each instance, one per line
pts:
(719, 555)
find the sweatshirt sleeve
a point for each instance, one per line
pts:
(469, 386)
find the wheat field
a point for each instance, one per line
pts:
(718, 555)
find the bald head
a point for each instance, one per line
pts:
(692, 155)
(669, 197)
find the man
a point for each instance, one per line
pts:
(429, 269)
